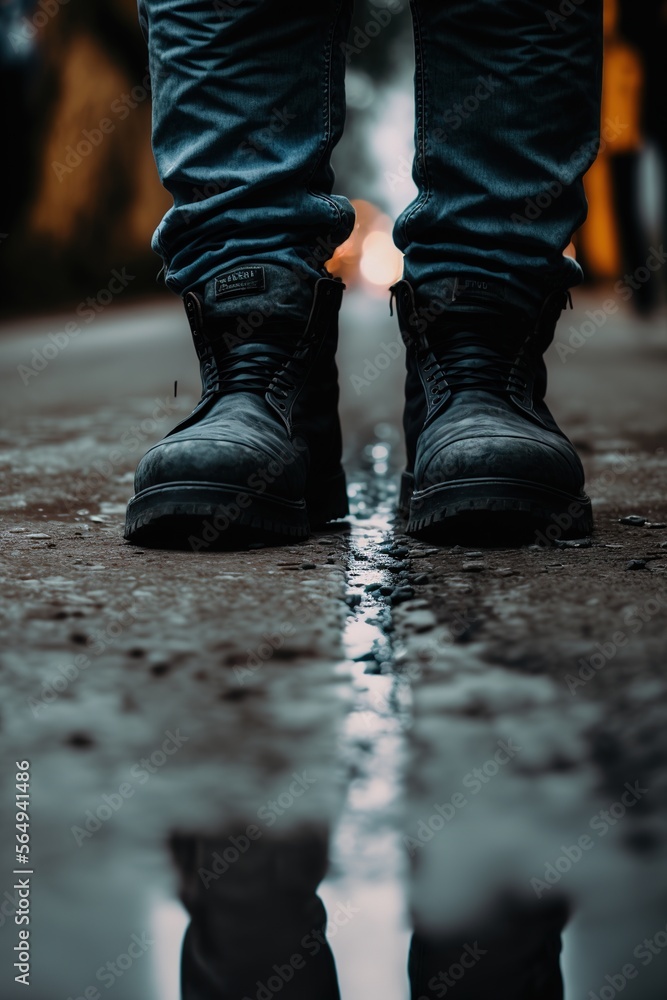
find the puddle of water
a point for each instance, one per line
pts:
(168, 922)
(367, 860)
(368, 870)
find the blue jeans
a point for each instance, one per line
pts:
(249, 102)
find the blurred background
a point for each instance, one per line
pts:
(73, 211)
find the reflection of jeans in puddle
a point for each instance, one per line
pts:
(257, 931)
(513, 954)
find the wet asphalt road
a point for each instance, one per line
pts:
(361, 681)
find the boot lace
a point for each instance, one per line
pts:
(469, 359)
(274, 366)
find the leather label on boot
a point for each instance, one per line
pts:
(240, 281)
(462, 289)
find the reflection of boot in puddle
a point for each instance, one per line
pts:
(257, 926)
(513, 955)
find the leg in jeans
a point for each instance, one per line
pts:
(508, 105)
(249, 102)
(508, 98)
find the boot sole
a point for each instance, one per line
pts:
(496, 511)
(200, 516)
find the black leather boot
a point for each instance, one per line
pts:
(259, 458)
(486, 458)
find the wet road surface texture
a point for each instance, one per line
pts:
(466, 725)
